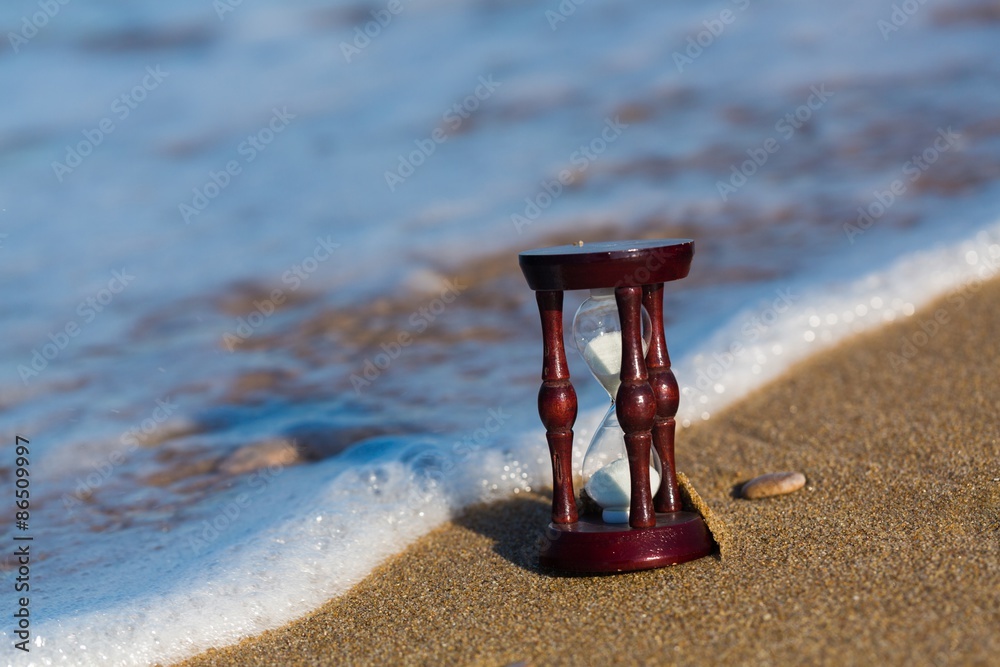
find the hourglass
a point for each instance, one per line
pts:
(628, 472)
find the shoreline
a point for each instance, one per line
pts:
(886, 555)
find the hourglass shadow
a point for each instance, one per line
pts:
(515, 526)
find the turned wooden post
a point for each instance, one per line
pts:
(667, 394)
(636, 406)
(557, 406)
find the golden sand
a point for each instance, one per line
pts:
(890, 555)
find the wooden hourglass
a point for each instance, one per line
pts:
(658, 531)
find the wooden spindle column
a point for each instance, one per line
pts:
(636, 406)
(557, 406)
(667, 394)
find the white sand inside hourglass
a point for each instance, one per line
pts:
(604, 357)
(611, 488)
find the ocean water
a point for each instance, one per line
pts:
(263, 323)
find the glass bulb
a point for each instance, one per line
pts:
(597, 333)
(598, 337)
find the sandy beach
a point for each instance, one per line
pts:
(890, 554)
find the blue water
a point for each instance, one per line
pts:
(202, 251)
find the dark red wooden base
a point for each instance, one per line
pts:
(592, 546)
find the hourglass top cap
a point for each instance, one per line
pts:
(607, 264)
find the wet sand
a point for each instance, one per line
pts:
(890, 554)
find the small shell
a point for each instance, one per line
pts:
(611, 487)
(773, 484)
